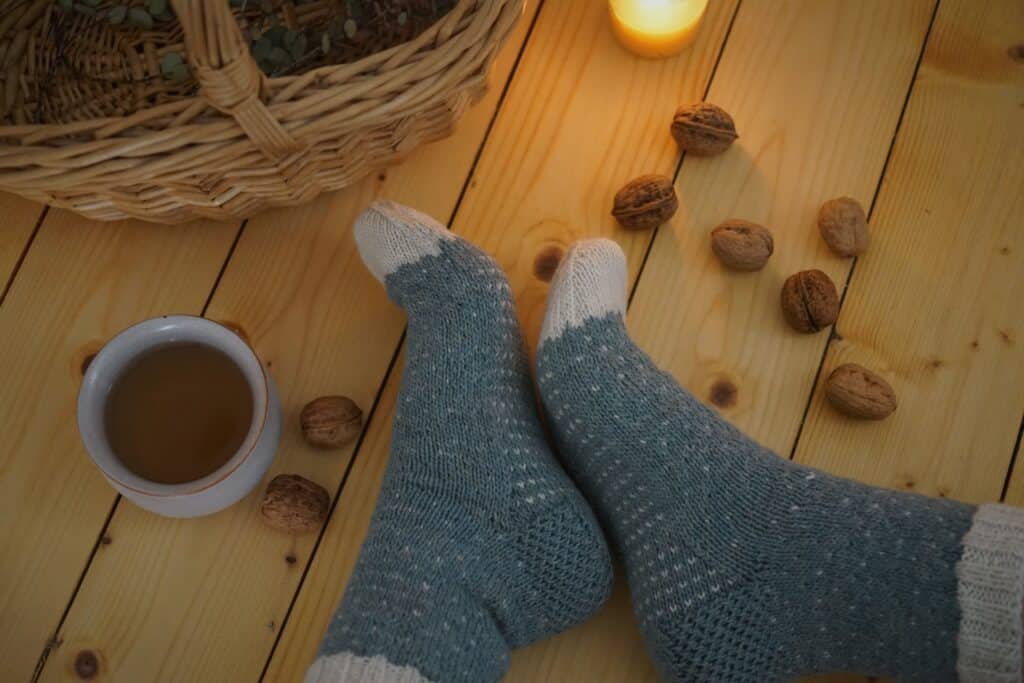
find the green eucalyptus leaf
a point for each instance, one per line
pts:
(403, 17)
(298, 47)
(91, 4)
(64, 4)
(179, 73)
(171, 61)
(140, 18)
(117, 15)
(276, 35)
(351, 28)
(261, 48)
(156, 7)
(280, 57)
(325, 43)
(87, 11)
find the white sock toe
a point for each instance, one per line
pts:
(590, 283)
(345, 667)
(390, 235)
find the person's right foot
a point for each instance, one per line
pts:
(744, 566)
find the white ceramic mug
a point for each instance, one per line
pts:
(225, 485)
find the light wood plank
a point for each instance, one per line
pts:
(582, 117)
(203, 599)
(80, 283)
(19, 220)
(816, 89)
(935, 303)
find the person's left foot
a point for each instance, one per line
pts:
(479, 542)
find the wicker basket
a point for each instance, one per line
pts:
(245, 141)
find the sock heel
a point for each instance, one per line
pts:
(551, 575)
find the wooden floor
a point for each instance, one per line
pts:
(915, 107)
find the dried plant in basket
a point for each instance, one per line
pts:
(176, 109)
(89, 59)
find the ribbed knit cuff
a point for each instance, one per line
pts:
(991, 595)
(345, 667)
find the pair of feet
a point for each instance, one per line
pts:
(742, 566)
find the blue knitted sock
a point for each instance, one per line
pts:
(744, 566)
(479, 542)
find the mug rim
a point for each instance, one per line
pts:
(106, 366)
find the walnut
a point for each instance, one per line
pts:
(331, 421)
(742, 245)
(294, 504)
(810, 301)
(645, 202)
(844, 226)
(703, 129)
(858, 392)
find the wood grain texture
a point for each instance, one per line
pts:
(582, 117)
(816, 89)
(80, 283)
(19, 220)
(934, 305)
(203, 599)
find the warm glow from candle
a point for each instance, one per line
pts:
(656, 28)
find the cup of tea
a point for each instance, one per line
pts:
(179, 415)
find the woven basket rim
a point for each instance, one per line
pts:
(417, 48)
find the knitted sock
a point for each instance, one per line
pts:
(744, 566)
(479, 542)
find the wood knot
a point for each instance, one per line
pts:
(290, 558)
(724, 393)
(546, 262)
(87, 665)
(935, 363)
(1016, 53)
(83, 357)
(105, 539)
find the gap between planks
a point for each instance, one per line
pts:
(871, 212)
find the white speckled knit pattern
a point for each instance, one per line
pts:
(745, 567)
(346, 667)
(991, 592)
(479, 542)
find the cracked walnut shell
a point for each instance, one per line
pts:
(703, 129)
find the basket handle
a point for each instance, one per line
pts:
(228, 76)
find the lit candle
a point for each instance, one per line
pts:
(656, 28)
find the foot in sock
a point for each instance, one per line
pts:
(479, 542)
(744, 566)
